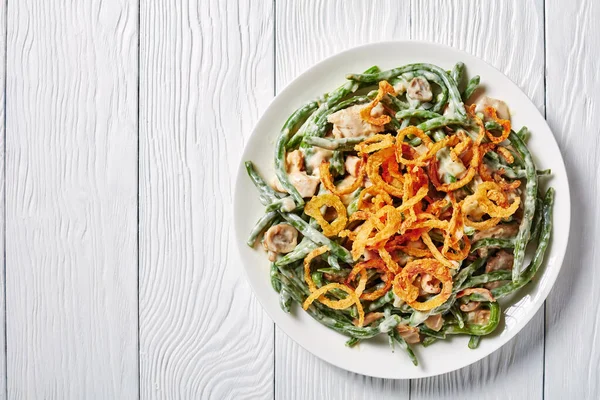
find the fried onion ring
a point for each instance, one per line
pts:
(313, 209)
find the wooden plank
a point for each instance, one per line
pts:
(307, 32)
(71, 199)
(493, 31)
(2, 196)
(573, 99)
(206, 74)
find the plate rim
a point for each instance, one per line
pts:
(559, 260)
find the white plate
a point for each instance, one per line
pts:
(373, 357)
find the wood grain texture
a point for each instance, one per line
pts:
(493, 31)
(71, 199)
(206, 74)
(2, 197)
(573, 101)
(307, 32)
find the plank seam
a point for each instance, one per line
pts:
(138, 198)
(545, 117)
(4, 199)
(274, 94)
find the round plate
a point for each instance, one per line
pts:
(374, 357)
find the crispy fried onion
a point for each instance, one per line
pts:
(307, 260)
(319, 293)
(484, 197)
(404, 283)
(504, 123)
(379, 265)
(374, 143)
(365, 113)
(313, 209)
(327, 180)
(376, 230)
(375, 162)
(373, 198)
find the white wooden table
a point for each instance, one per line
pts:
(123, 126)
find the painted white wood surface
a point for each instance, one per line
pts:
(206, 74)
(206, 70)
(71, 207)
(2, 199)
(573, 106)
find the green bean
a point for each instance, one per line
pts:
(260, 226)
(266, 193)
(493, 276)
(285, 300)
(458, 72)
(297, 221)
(474, 342)
(352, 342)
(471, 87)
(337, 162)
(275, 280)
(282, 205)
(523, 134)
(382, 301)
(317, 237)
(333, 320)
(493, 242)
(333, 262)
(414, 142)
(317, 278)
(466, 272)
(528, 206)
(439, 123)
(457, 285)
(431, 333)
(537, 219)
(344, 144)
(476, 329)
(493, 126)
(402, 343)
(458, 316)
(438, 135)
(397, 103)
(428, 341)
(544, 172)
(338, 274)
(453, 93)
(287, 132)
(538, 257)
(299, 252)
(353, 206)
(415, 113)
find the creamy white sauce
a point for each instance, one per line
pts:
(398, 302)
(473, 210)
(378, 110)
(450, 111)
(348, 123)
(417, 318)
(421, 149)
(500, 106)
(419, 89)
(287, 204)
(400, 87)
(447, 165)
